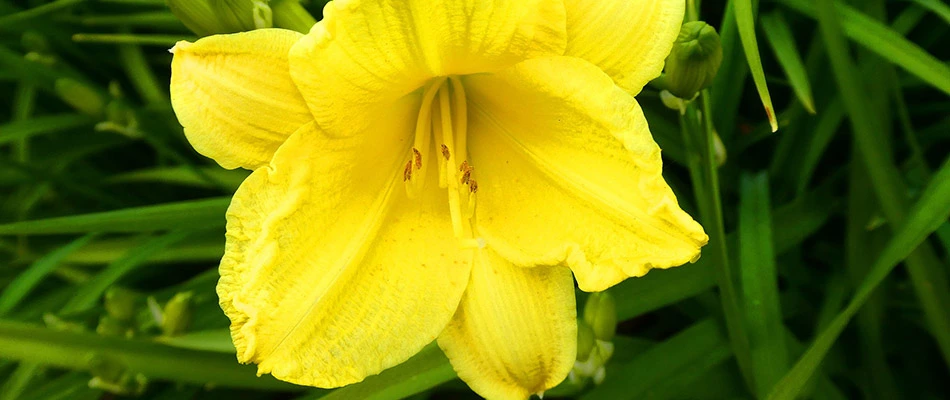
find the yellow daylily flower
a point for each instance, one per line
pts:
(434, 170)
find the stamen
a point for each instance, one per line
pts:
(460, 117)
(447, 137)
(415, 173)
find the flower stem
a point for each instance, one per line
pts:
(699, 138)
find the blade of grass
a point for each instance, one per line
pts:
(74, 350)
(926, 216)
(196, 214)
(731, 77)
(779, 37)
(927, 275)
(745, 21)
(422, 372)
(218, 340)
(19, 130)
(17, 290)
(828, 123)
(763, 314)
(19, 380)
(938, 7)
(678, 354)
(885, 42)
(859, 241)
(128, 38)
(89, 294)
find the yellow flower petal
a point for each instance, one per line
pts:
(515, 332)
(629, 40)
(568, 173)
(365, 54)
(234, 96)
(330, 273)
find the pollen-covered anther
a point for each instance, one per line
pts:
(417, 157)
(407, 172)
(445, 152)
(466, 171)
(473, 186)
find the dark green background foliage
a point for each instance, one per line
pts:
(825, 276)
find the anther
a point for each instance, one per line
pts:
(418, 157)
(445, 152)
(473, 186)
(407, 173)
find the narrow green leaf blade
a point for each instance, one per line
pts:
(425, 370)
(195, 214)
(88, 294)
(759, 281)
(28, 279)
(779, 37)
(745, 20)
(885, 42)
(931, 211)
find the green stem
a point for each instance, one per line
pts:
(69, 350)
(699, 137)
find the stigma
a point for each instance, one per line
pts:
(443, 119)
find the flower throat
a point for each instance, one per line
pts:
(443, 116)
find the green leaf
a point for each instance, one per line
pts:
(28, 279)
(926, 216)
(828, 123)
(763, 314)
(19, 130)
(779, 36)
(194, 214)
(90, 293)
(218, 340)
(745, 20)
(696, 349)
(885, 42)
(425, 370)
(19, 380)
(937, 7)
(73, 350)
(183, 176)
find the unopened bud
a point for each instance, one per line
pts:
(694, 60)
(209, 17)
(177, 314)
(600, 312)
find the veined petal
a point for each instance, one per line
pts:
(568, 173)
(330, 273)
(365, 54)
(515, 332)
(629, 40)
(234, 96)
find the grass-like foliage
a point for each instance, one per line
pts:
(826, 274)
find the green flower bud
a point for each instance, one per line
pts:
(177, 314)
(585, 340)
(121, 303)
(600, 312)
(694, 60)
(80, 96)
(209, 17)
